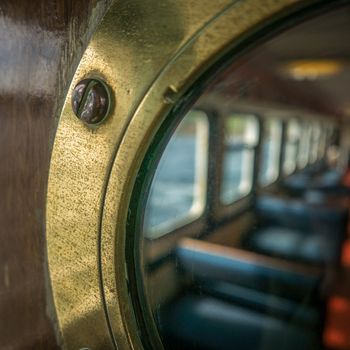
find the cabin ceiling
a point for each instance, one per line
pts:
(325, 37)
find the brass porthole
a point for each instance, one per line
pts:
(150, 54)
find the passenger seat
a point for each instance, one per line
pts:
(242, 300)
(296, 230)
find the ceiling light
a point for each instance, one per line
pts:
(311, 69)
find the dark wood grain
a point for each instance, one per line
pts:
(41, 42)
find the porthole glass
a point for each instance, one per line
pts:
(243, 215)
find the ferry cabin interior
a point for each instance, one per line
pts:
(245, 226)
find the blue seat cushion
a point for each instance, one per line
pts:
(319, 250)
(277, 306)
(279, 241)
(205, 261)
(315, 248)
(282, 211)
(302, 181)
(202, 322)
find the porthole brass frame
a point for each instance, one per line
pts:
(149, 53)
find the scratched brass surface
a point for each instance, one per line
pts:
(149, 53)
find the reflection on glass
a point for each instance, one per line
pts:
(241, 136)
(179, 185)
(271, 147)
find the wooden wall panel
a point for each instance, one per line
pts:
(41, 42)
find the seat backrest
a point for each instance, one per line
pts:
(320, 218)
(211, 262)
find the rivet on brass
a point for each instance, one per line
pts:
(91, 101)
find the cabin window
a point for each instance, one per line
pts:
(270, 151)
(291, 147)
(177, 194)
(330, 137)
(241, 137)
(322, 143)
(304, 148)
(315, 142)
